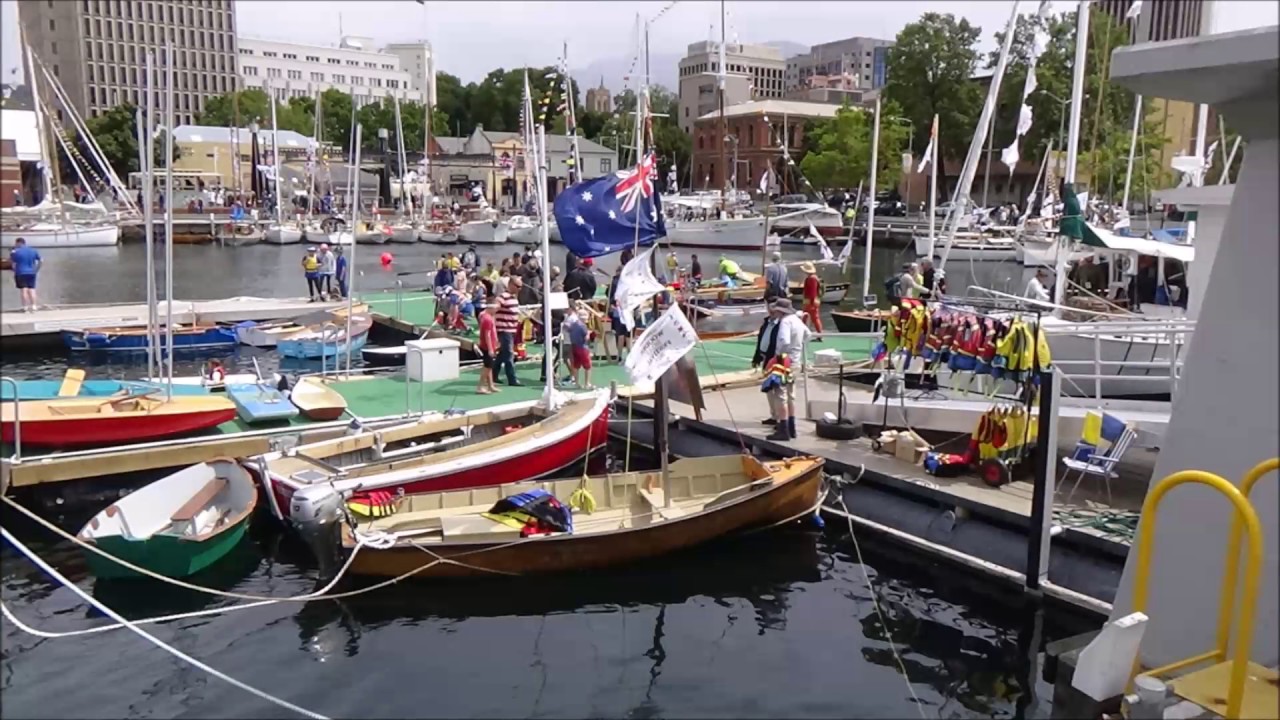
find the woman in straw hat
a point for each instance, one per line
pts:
(812, 297)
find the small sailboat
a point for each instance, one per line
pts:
(282, 233)
(529, 528)
(259, 402)
(134, 339)
(317, 401)
(133, 418)
(74, 384)
(176, 526)
(328, 341)
(269, 334)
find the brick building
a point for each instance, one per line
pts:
(757, 130)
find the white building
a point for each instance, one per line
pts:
(297, 70)
(417, 59)
(861, 58)
(753, 72)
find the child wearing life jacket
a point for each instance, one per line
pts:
(214, 372)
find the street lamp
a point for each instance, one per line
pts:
(1062, 114)
(253, 163)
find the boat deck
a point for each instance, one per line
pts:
(369, 397)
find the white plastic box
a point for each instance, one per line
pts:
(828, 358)
(432, 359)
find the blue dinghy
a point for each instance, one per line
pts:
(185, 337)
(330, 342)
(259, 402)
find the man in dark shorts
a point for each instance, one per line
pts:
(487, 346)
(26, 264)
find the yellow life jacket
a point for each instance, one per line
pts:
(310, 263)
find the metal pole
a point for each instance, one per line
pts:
(933, 187)
(991, 145)
(146, 147)
(168, 216)
(351, 264)
(1073, 142)
(1133, 147)
(871, 214)
(1046, 474)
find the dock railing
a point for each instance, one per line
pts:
(1169, 336)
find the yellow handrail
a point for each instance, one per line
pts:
(1231, 571)
(1243, 512)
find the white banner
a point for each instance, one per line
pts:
(906, 162)
(636, 285)
(822, 243)
(660, 346)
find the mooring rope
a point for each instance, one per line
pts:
(875, 603)
(144, 635)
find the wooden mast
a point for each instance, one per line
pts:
(724, 133)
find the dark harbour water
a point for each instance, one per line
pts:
(776, 625)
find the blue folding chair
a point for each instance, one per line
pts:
(1090, 459)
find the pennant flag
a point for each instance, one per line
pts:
(764, 183)
(822, 243)
(598, 217)
(1134, 10)
(846, 252)
(660, 346)
(636, 284)
(928, 151)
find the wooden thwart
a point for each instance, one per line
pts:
(198, 501)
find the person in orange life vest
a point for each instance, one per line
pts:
(214, 372)
(812, 297)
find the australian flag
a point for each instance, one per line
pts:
(598, 217)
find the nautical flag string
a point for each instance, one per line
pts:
(1010, 156)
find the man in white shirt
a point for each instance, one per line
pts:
(791, 336)
(1036, 289)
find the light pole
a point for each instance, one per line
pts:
(1062, 114)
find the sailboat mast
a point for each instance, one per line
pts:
(571, 126)
(1133, 147)
(871, 212)
(1073, 142)
(168, 217)
(146, 143)
(235, 138)
(351, 273)
(724, 132)
(933, 185)
(45, 162)
(275, 156)
(315, 160)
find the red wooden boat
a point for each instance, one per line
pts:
(88, 421)
(505, 444)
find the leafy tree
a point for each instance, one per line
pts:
(116, 134)
(840, 154)
(220, 111)
(335, 117)
(930, 71)
(453, 99)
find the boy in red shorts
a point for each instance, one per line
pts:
(580, 348)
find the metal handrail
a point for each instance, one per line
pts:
(1244, 517)
(1231, 573)
(399, 299)
(17, 421)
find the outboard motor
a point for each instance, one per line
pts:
(317, 513)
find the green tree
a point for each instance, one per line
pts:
(930, 71)
(453, 100)
(221, 111)
(115, 131)
(335, 117)
(840, 148)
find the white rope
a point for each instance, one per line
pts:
(875, 603)
(149, 638)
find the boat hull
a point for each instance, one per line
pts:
(313, 349)
(282, 235)
(135, 340)
(110, 430)
(743, 234)
(483, 232)
(404, 235)
(48, 389)
(167, 555)
(51, 235)
(540, 457)
(438, 238)
(783, 501)
(385, 357)
(966, 250)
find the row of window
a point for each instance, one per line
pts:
(756, 71)
(316, 59)
(107, 98)
(706, 138)
(137, 55)
(214, 14)
(135, 76)
(146, 33)
(252, 71)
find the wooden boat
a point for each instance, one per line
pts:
(134, 339)
(176, 526)
(327, 342)
(186, 384)
(385, 356)
(259, 402)
(859, 321)
(317, 401)
(49, 389)
(269, 334)
(519, 441)
(134, 418)
(711, 498)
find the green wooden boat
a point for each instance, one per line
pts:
(176, 526)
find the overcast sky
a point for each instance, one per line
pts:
(471, 38)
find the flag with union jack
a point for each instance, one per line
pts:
(603, 216)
